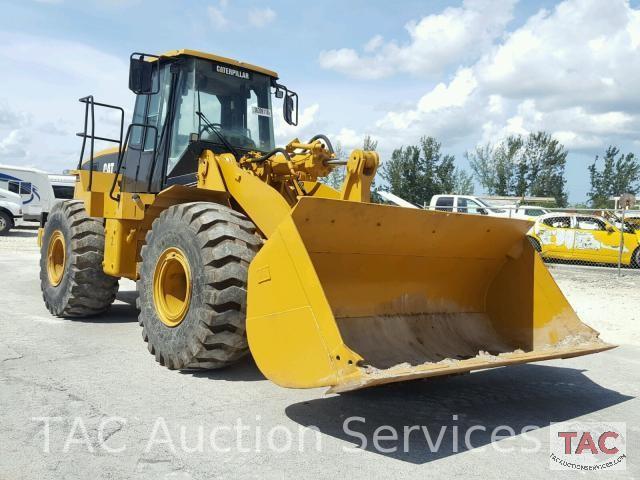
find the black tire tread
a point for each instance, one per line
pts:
(92, 291)
(9, 221)
(228, 240)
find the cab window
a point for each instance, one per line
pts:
(135, 138)
(558, 222)
(462, 205)
(590, 223)
(150, 110)
(444, 204)
(157, 108)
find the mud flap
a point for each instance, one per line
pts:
(350, 295)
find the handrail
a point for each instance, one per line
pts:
(90, 105)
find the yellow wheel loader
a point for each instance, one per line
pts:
(236, 246)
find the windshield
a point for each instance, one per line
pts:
(489, 207)
(235, 103)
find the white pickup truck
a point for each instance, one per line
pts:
(465, 204)
(475, 205)
(10, 210)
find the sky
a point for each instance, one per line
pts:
(467, 72)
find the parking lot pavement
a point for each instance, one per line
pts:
(113, 412)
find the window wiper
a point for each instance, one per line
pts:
(219, 134)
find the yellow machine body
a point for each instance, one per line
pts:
(348, 294)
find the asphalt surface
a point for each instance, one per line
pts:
(114, 413)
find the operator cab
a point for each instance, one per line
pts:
(188, 101)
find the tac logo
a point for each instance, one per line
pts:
(588, 446)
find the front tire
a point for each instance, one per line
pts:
(192, 287)
(71, 277)
(635, 259)
(6, 223)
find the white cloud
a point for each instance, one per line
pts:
(307, 122)
(12, 147)
(260, 17)
(455, 36)
(10, 117)
(349, 139)
(582, 53)
(34, 67)
(374, 43)
(437, 102)
(217, 17)
(571, 71)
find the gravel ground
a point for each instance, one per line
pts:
(114, 413)
(605, 301)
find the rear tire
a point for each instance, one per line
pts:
(204, 324)
(6, 223)
(635, 259)
(71, 277)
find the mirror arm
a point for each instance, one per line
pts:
(289, 95)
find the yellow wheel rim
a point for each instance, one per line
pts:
(56, 258)
(172, 287)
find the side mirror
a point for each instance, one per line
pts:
(289, 107)
(610, 229)
(483, 211)
(141, 74)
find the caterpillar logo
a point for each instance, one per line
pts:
(233, 72)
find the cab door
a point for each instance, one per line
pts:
(596, 240)
(146, 141)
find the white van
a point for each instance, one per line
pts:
(39, 190)
(10, 210)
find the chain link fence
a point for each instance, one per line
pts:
(578, 236)
(595, 237)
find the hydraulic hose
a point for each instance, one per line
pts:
(325, 139)
(271, 154)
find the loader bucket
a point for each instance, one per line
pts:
(350, 295)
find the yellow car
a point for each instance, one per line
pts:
(585, 238)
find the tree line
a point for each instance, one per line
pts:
(530, 165)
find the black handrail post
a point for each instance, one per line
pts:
(93, 135)
(84, 137)
(121, 128)
(155, 157)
